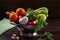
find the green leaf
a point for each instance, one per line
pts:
(49, 35)
(29, 11)
(42, 10)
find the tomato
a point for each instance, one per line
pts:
(8, 13)
(13, 17)
(20, 11)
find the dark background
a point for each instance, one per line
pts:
(12, 5)
(53, 19)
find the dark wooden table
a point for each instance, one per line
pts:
(53, 27)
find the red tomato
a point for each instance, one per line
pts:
(20, 11)
(9, 13)
(13, 17)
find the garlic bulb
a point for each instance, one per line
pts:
(23, 20)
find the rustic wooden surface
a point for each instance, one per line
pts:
(53, 27)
